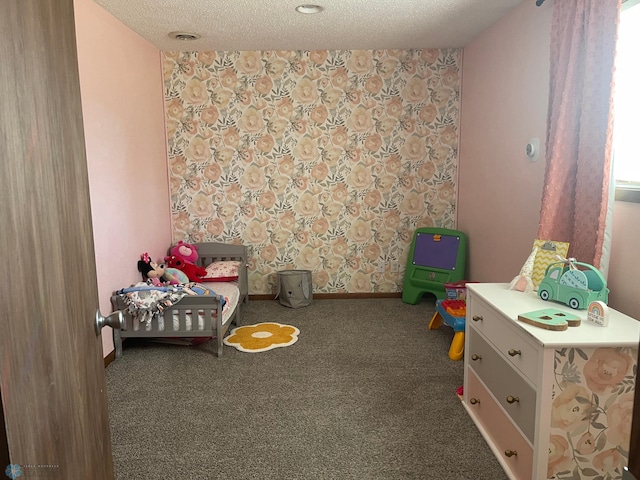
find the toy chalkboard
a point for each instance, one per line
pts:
(436, 251)
(436, 256)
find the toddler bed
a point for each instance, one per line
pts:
(195, 317)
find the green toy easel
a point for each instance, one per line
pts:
(437, 256)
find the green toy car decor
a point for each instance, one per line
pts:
(573, 283)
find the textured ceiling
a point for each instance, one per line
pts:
(227, 25)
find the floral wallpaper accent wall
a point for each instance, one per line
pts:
(591, 412)
(318, 160)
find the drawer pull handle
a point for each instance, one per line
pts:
(511, 453)
(512, 399)
(474, 401)
(477, 318)
(513, 352)
(475, 357)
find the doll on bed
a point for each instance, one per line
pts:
(157, 275)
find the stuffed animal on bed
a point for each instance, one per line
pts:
(185, 251)
(151, 271)
(193, 272)
(175, 276)
(158, 275)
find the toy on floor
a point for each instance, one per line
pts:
(457, 308)
(436, 256)
(456, 290)
(452, 312)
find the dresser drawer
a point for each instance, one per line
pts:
(512, 391)
(520, 353)
(504, 437)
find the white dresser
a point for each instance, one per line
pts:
(548, 402)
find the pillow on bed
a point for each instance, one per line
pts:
(223, 271)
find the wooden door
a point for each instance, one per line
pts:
(51, 365)
(4, 446)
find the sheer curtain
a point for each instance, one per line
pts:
(575, 202)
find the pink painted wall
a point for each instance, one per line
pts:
(122, 104)
(505, 77)
(505, 84)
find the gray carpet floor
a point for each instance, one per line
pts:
(367, 392)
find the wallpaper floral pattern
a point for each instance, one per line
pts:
(319, 160)
(591, 413)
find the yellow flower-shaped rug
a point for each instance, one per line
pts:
(262, 337)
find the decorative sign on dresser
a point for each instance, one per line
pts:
(550, 404)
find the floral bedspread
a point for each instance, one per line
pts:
(144, 301)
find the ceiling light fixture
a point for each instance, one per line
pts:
(184, 36)
(309, 8)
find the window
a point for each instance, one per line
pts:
(626, 151)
